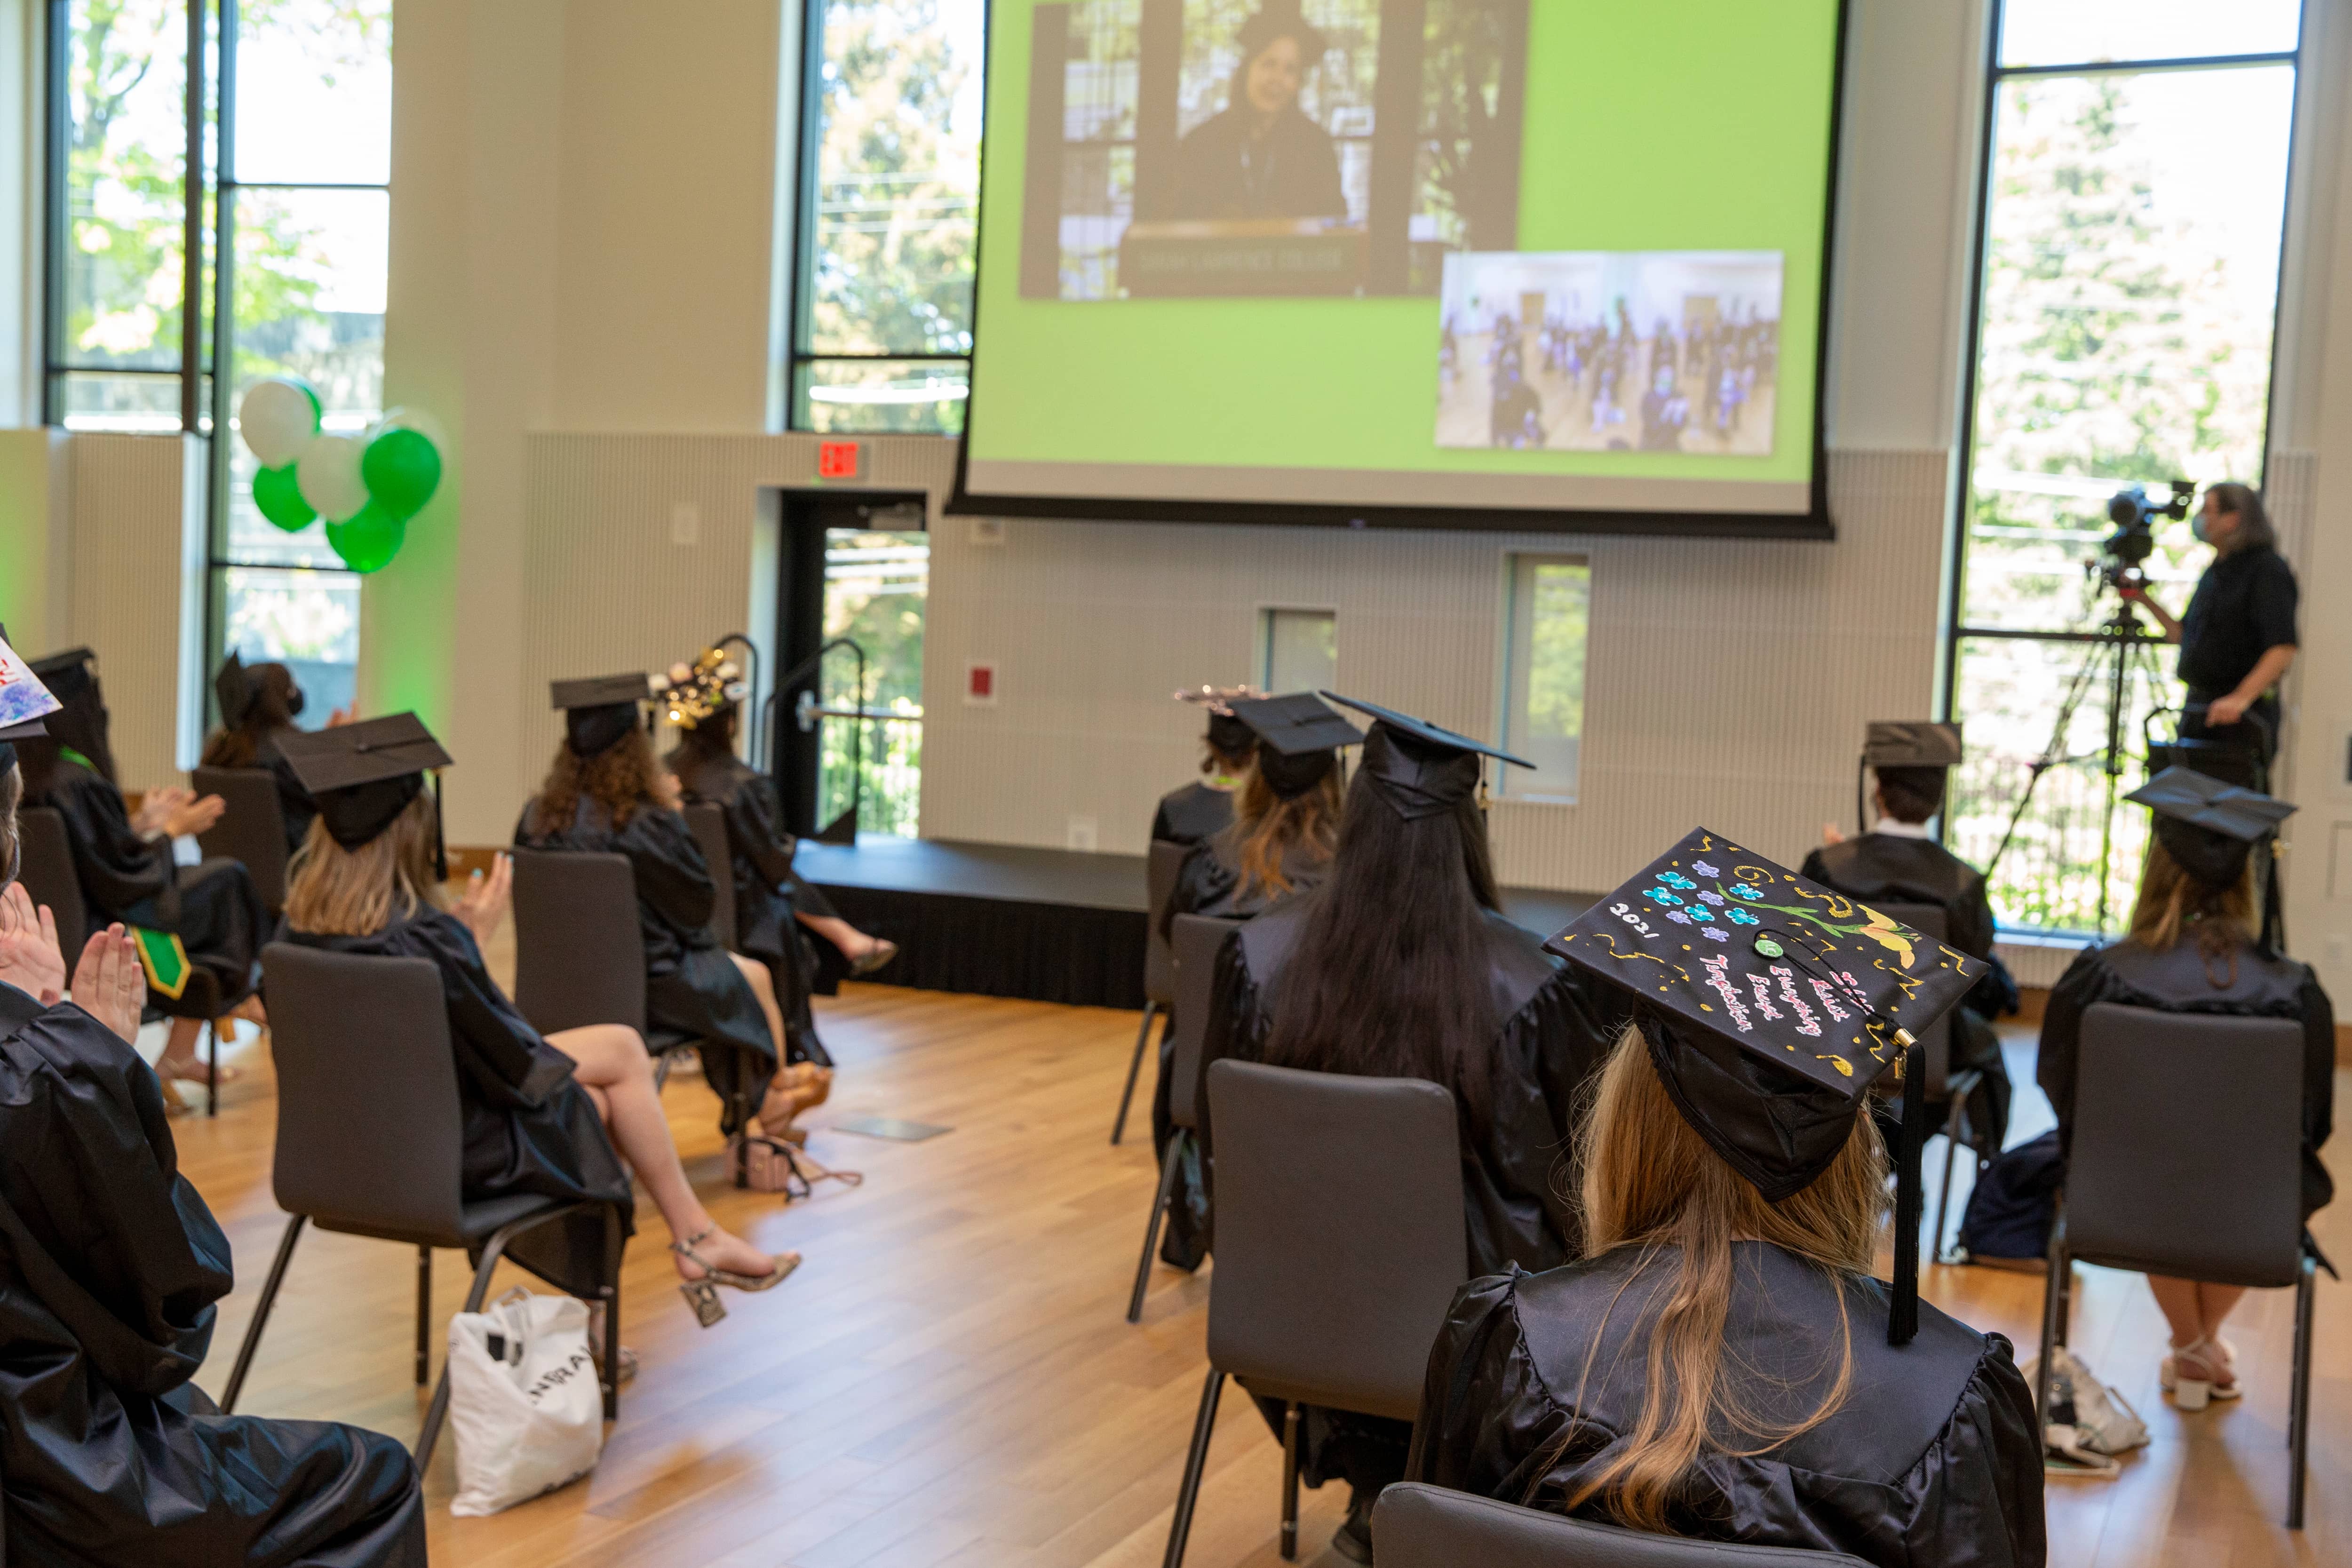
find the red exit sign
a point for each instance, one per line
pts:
(837, 459)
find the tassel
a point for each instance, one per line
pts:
(1903, 1319)
(440, 834)
(2273, 939)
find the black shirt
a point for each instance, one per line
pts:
(2244, 607)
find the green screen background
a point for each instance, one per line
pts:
(1696, 125)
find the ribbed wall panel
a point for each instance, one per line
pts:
(127, 590)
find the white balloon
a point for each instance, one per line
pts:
(277, 417)
(415, 419)
(328, 474)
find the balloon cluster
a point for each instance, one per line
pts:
(367, 487)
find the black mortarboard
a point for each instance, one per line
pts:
(233, 689)
(1772, 1004)
(1227, 734)
(599, 710)
(1298, 740)
(2208, 826)
(363, 776)
(1900, 743)
(1420, 769)
(67, 675)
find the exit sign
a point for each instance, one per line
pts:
(837, 459)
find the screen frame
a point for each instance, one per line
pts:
(1814, 522)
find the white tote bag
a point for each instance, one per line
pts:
(524, 1400)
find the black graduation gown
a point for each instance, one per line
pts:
(1223, 173)
(110, 1266)
(294, 802)
(1890, 868)
(529, 1127)
(211, 907)
(1191, 813)
(2182, 981)
(1933, 1460)
(1518, 1209)
(761, 851)
(694, 993)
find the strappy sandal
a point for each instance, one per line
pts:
(703, 1294)
(2194, 1392)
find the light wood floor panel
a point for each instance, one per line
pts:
(948, 1381)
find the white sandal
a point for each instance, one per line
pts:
(2195, 1393)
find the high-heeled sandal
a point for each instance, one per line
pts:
(2195, 1393)
(703, 1294)
(877, 957)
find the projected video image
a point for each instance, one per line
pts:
(1262, 147)
(1610, 351)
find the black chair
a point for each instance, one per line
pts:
(1419, 1526)
(1952, 1089)
(2186, 1158)
(580, 959)
(1341, 1244)
(1197, 939)
(708, 825)
(252, 827)
(371, 1140)
(1158, 962)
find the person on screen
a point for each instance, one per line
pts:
(1665, 412)
(1261, 157)
(1516, 419)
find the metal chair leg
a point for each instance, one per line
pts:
(1134, 1066)
(212, 1068)
(1167, 1167)
(1289, 1480)
(1952, 1125)
(1196, 1460)
(424, 1314)
(2054, 1289)
(261, 1312)
(2298, 1437)
(492, 1250)
(612, 1295)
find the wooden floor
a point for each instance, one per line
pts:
(949, 1379)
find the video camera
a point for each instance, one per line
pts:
(2122, 552)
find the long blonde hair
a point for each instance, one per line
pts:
(2173, 904)
(1268, 826)
(334, 891)
(1651, 1183)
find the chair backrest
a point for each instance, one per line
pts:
(371, 1134)
(2187, 1152)
(708, 825)
(1937, 1042)
(1341, 1236)
(580, 954)
(48, 875)
(252, 827)
(1419, 1526)
(1158, 886)
(1195, 943)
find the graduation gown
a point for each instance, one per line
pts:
(211, 907)
(1895, 868)
(294, 802)
(110, 1267)
(529, 1127)
(1933, 1460)
(1191, 813)
(2182, 981)
(694, 993)
(760, 852)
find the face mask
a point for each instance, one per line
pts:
(2197, 527)
(294, 704)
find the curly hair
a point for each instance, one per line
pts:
(623, 778)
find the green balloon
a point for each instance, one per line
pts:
(277, 497)
(370, 540)
(401, 470)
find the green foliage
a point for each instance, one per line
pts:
(877, 601)
(1556, 653)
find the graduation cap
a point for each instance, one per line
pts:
(1227, 734)
(233, 689)
(1895, 746)
(1298, 740)
(693, 692)
(2208, 826)
(363, 776)
(1772, 1004)
(1418, 768)
(67, 675)
(600, 710)
(24, 701)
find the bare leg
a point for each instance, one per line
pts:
(763, 986)
(2195, 1312)
(2177, 1299)
(615, 1069)
(179, 1058)
(854, 943)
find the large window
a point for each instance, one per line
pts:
(2134, 196)
(1543, 712)
(877, 584)
(889, 181)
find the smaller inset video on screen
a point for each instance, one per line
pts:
(1629, 351)
(1238, 148)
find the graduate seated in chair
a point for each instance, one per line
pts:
(1721, 1364)
(1398, 964)
(1897, 862)
(110, 1274)
(1190, 813)
(605, 793)
(258, 704)
(206, 917)
(537, 1109)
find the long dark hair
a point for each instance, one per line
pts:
(713, 739)
(1391, 977)
(272, 708)
(2245, 504)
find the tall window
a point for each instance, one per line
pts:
(889, 171)
(1298, 650)
(2133, 197)
(1543, 714)
(877, 584)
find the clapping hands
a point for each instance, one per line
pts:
(109, 983)
(29, 959)
(483, 905)
(175, 813)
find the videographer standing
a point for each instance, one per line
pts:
(2237, 637)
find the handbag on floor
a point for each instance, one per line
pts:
(2089, 1423)
(774, 1165)
(523, 1400)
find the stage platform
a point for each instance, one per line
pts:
(1051, 925)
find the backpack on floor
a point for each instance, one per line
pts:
(2016, 1199)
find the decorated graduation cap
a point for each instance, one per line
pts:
(1227, 734)
(1899, 747)
(363, 776)
(1772, 1004)
(2211, 827)
(24, 702)
(693, 692)
(1417, 768)
(1298, 739)
(598, 711)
